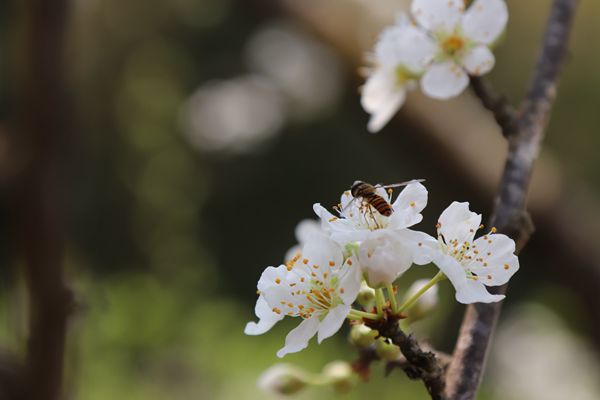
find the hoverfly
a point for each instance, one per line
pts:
(368, 193)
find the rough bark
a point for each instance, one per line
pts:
(468, 363)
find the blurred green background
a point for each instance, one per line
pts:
(205, 130)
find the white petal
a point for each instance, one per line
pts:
(438, 15)
(495, 263)
(381, 97)
(485, 20)
(444, 80)
(350, 281)
(423, 246)
(406, 46)
(458, 223)
(330, 223)
(408, 206)
(384, 258)
(332, 322)
(478, 61)
(307, 229)
(467, 290)
(322, 251)
(475, 292)
(298, 337)
(273, 286)
(266, 318)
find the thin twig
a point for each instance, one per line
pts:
(466, 368)
(504, 113)
(38, 194)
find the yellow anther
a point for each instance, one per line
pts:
(277, 281)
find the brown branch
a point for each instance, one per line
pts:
(504, 113)
(37, 193)
(422, 364)
(466, 368)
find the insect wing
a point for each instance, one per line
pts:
(394, 185)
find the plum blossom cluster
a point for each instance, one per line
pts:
(437, 47)
(346, 262)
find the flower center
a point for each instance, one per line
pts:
(455, 249)
(452, 45)
(403, 75)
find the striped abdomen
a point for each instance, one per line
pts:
(379, 203)
(370, 196)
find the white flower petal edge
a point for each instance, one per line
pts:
(382, 97)
(485, 20)
(478, 61)
(298, 337)
(408, 206)
(458, 224)
(472, 265)
(438, 15)
(266, 318)
(332, 322)
(444, 80)
(467, 290)
(317, 285)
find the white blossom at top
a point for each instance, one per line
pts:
(469, 264)
(317, 285)
(400, 56)
(462, 40)
(386, 247)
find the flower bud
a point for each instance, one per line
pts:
(386, 350)
(282, 379)
(362, 336)
(340, 374)
(425, 303)
(366, 295)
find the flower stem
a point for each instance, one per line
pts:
(379, 301)
(392, 297)
(413, 299)
(356, 314)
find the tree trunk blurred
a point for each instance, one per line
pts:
(37, 190)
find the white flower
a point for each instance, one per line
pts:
(469, 264)
(386, 246)
(359, 221)
(400, 56)
(318, 286)
(462, 39)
